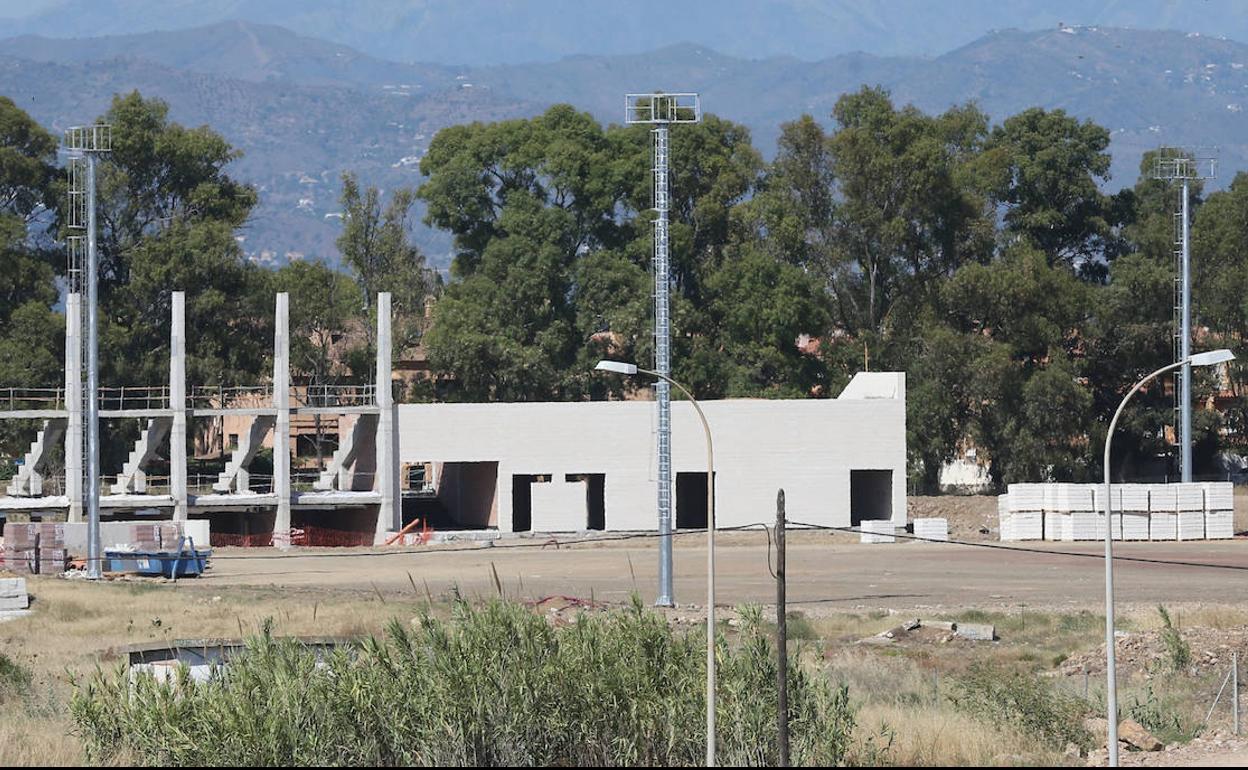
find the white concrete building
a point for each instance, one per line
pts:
(559, 467)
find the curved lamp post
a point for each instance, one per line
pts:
(620, 367)
(1111, 685)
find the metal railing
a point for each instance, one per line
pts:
(232, 397)
(331, 396)
(21, 399)
(135, 397)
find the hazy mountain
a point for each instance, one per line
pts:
(304, 110)
(480, 32)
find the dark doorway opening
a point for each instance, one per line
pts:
(595, 498)
(870, 496)
(691, 503)
(522, 500)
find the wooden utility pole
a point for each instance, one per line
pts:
(782, 638)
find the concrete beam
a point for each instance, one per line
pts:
(177, 403)
(281, 430)
(389, 512)
(73, 406)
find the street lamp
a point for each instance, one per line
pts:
(1200, 359)
(619, 367)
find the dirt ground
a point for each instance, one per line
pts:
(821, 571)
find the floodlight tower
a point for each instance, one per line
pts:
(85, 144)
(661, 110)
(1183, 165)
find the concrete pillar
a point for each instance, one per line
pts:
(73, 405)
(177, 403)
(390, 512)
(281, 430)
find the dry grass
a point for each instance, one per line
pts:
(941, 737)
(900, 688)
(77, 626)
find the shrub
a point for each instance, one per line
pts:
(496, 685)
(15, 679)
(1160, 717)
(1024, 702)
(1178, 652)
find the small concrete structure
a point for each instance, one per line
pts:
(560, 467)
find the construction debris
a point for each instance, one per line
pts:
(975, 632)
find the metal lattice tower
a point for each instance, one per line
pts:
(1183, 165)
(85, 144)
(661, 110)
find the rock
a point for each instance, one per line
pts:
(978, 632)
(943, 625)
(1134, 735)
(911, 625)
(1072, 752)
(1099, 727)
(887, 635)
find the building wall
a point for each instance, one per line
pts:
(808, 447)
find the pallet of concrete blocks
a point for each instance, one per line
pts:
(927, 530)
(877, 531)
(1021, 513)
(53, 561)
(1131, 504)
(1190, 509)
(1027, 497)
(22, 561)
(1219, 510)
(13, 594)
(1064, 502)
(1163, 516)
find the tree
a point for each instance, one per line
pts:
(526, 201)
(1045, 168)
(324, 309)
(376, 248)
(30, 331)
(168, 213)
(905, 210)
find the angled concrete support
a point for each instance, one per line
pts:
(177, 403)
(73, 404)
(132, 478)
(28, 482)
(235, 476)
(390, 512)
(281, 430)
(338, 473)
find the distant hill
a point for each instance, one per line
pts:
(303, 110)
(479, 32)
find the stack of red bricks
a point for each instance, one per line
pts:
(156, 536)
(35, 548)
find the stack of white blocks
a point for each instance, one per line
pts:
(1022, 517)
(877, 531)
(1141, 511)
(1131, 511)
(1190, 504)
(1163, 517)
(931, 529)
(1219, 511)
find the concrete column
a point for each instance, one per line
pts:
(390, 512)
(281, 430)
(177, 402)
(73, 404)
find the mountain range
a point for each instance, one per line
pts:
(480, 32)
(303, 109)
